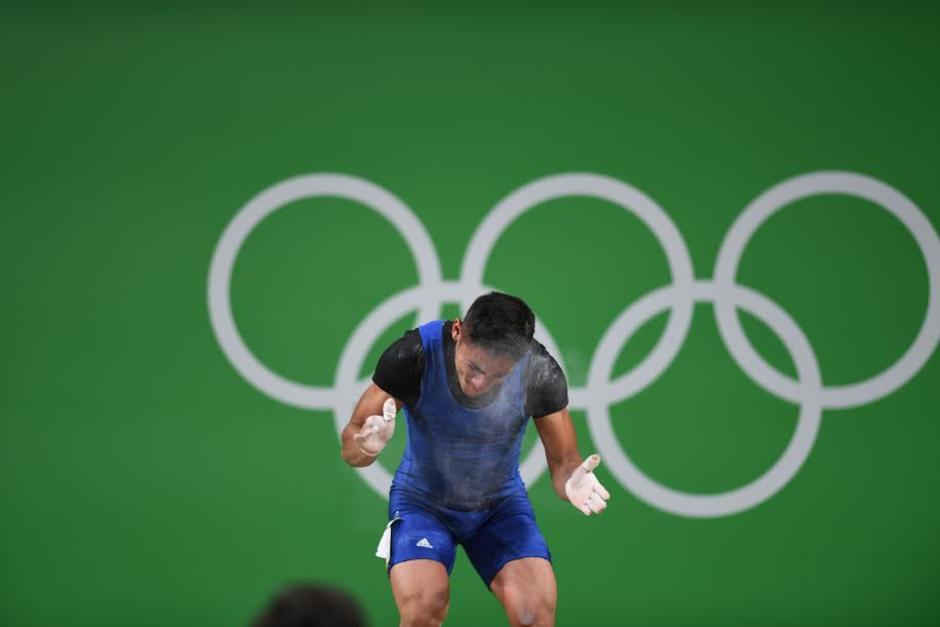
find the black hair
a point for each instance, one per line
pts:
(500, 323)
(311, 605)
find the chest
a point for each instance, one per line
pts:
(439, 414)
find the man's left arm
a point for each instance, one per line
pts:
(572, 477)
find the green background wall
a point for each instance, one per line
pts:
(143, 481)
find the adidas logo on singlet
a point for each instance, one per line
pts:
(423, 543)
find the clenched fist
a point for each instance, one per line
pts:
(377, 430)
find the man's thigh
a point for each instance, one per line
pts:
(526, 587)
(422, 553)
(417, 534)
(422, 591)
(510, 534)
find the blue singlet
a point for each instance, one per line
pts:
(458, 481)
(460, 457)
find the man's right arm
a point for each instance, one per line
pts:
(398, 375)
(370, 404)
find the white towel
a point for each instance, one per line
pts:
(384, 550)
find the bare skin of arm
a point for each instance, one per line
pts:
(561, 448)
(370, 404)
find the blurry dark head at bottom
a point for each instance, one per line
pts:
(311, 605)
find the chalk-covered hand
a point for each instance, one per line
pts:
(583, 489)
(377, 430)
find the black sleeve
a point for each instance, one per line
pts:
(546, 388)
(400, 368)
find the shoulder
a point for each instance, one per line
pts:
(401, 367)
(406, 350)
(541, 361)
(434, 331)
(545, 383)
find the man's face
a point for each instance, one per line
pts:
(478, 370)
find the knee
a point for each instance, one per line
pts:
(531, 611)
(424, 607)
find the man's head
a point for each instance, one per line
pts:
(311, 605)
(494, 334)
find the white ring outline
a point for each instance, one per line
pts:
(248, 217)
(773, 200)
(705, 505)
(636, 202)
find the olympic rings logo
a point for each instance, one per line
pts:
(727, 296)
